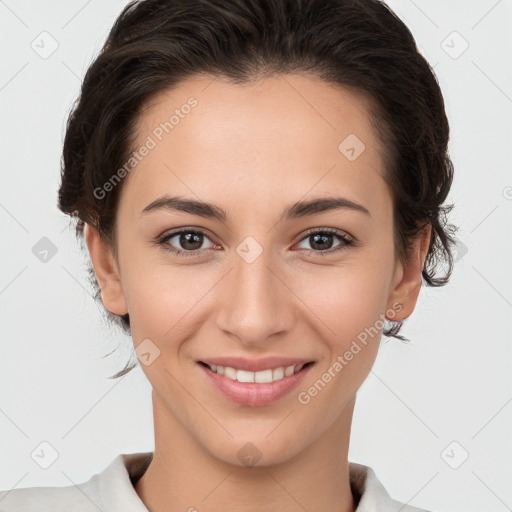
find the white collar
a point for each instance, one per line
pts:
(116, 489)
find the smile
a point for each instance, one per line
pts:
(254, 388)
(263, 376)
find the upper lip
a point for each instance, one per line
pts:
(255, 365)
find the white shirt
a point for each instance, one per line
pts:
(112, 491)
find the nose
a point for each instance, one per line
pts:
(256, 303)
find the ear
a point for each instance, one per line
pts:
(106, 271)
(407, 279)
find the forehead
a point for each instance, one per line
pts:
(287, 133)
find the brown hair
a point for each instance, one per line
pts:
(358, 44)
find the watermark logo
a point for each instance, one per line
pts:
(45, 45)
(249, 249)
(455, 455)
(459, 250)
(351, 147)
(44, 455)
(44, 250)
(147, 352)
(249, 454)
(454, 45)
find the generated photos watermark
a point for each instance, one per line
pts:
(150, 143)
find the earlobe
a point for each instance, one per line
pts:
(106, 270)
(408, 283)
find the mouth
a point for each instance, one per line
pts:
(255, 388)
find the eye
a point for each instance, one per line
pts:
(189, 241)
(321, 241)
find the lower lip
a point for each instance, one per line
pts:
(254, 394)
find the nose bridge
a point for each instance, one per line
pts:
(254, 305)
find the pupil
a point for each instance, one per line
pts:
(191, 238)
(323, 241)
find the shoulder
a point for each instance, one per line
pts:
(372, 494)
(111, 489)
(83, 497)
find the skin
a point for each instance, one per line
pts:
(254, 150)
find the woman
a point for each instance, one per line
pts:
(260, 185)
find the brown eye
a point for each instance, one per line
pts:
(185, 241)
(322, 241)
(190, 241)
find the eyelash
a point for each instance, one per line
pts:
(342, 237)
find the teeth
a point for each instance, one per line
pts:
(277, 373)
(230, 373)
(263, 376)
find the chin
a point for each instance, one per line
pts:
(257, 451)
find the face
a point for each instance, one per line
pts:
(270, 278)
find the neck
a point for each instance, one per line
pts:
(184, 475)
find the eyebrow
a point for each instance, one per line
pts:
(294, 211)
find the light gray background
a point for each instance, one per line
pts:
(452, 383)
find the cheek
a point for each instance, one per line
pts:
(167, 302)
(159, 301)
(347, 310)
(345, 300)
